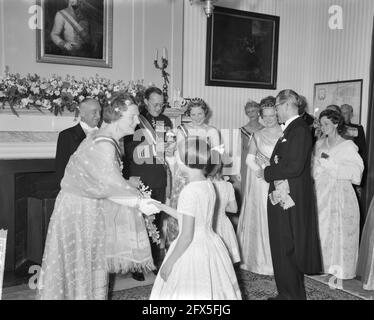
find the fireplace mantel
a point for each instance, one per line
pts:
(31, 136)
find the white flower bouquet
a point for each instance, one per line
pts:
(145, 193)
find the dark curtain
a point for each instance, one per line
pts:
(369, 185)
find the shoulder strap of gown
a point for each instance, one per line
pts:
(112, 141)
(184, 130)
(246, 132)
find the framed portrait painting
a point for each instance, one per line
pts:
(338, 93)
(77, 32)
(242, 49)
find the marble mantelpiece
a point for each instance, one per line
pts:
(31, 136)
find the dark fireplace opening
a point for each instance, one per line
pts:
(28, 188)
(35, 194)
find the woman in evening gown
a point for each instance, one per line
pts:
(252, 111)
(90, 235)
(198, 111)
(336, 166)
(252, 231)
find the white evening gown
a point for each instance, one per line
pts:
(221, 223)
(204, 271)
(365, 263)
(253, 230)
(338, 209)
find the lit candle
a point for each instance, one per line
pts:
(156, 55)
(164, 53)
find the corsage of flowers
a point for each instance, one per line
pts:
(281, 194)
(145, 193)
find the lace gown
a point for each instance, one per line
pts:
(221, 223)
(365, 263)
(88, 235)
(252, 231)
(338, 209)
(204, 271)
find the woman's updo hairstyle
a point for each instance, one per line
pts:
(196, 153)
(334, 107)
(336, 118)
(118, 103)
(251, 104)
(267, 103)
(197, 102)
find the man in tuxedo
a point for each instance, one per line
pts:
(309, 120)
(141, 158)
(69, 139)
(293, 232)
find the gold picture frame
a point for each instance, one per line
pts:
(91, 27)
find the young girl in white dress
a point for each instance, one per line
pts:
(197, 265)
(225, 202)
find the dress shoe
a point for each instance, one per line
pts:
(138, 276)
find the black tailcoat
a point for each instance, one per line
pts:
(67, 143)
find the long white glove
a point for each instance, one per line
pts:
(144, 206)
(130, 202)
(147, 207)
(251, 162)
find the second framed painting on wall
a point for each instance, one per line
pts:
(242, 49)
(75, 32)
(339, 93)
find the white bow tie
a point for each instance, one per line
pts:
(283, 126)
(90, 129)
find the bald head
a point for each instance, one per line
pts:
(89, 111)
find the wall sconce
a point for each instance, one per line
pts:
(208, 5)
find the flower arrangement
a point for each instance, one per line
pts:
(153, 233)
(56, 94)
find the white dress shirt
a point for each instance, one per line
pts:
(287, 123)
(86, 128)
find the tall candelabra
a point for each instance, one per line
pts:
(165, 75)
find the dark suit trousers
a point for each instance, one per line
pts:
(158, 194)
(288, 277)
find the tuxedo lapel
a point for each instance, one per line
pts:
(79, 134)
(292, 125)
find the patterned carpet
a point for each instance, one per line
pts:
(253, 287)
